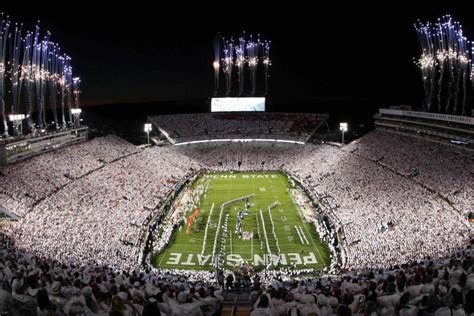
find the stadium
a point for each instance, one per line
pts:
(237, 210)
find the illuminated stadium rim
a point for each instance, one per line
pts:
(240, 140)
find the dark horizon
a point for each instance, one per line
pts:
(346, 53)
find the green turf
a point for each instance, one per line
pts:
(268, 187)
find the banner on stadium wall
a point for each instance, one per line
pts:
(431, 116)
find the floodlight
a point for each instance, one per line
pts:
(147, 131)
(16, 117)
(343, 129)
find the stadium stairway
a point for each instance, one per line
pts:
(241, 301)
(241, 311)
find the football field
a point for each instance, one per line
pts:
(271, 233)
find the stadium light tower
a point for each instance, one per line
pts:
(16, 120)
(343, 129)
(76, 117)
(147, 131)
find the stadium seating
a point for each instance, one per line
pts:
(206, 126)
(400, 202)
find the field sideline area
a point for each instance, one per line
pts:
(279, 228)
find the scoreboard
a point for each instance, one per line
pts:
(238, 105)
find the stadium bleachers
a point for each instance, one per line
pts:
(183, 128)
(399, 200)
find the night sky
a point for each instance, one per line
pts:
(141, 53)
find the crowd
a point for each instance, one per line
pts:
(426, 287)
(30, 285)
(368, 196)
(398, 200)
(385, 216)
(204, 126)
(99, 216)
(418, 158)
(22, 185)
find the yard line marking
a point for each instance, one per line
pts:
(161, 261)
(299, 235)
(265, 233)
(304, 236)
(206, 230)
